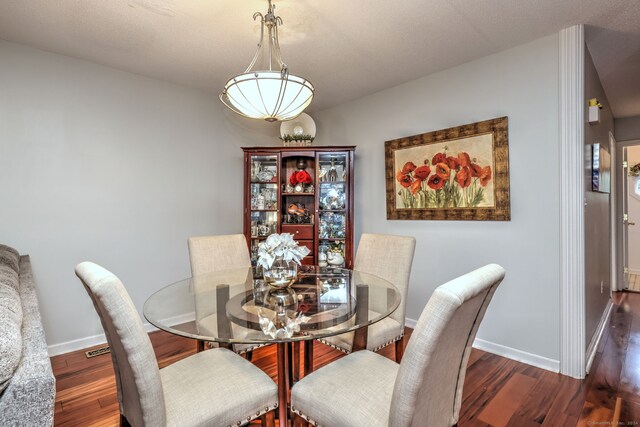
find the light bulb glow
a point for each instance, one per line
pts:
(268, 95)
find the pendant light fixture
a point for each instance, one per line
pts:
(262, 92)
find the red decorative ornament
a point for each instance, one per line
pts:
(300, 177)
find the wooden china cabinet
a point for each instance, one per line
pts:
(304, 191)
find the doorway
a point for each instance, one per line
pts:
(631, 218)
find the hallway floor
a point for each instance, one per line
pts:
(612, 389)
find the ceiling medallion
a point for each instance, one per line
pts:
(262, 92)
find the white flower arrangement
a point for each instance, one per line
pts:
(280, 245)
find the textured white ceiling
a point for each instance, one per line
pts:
(348, 49)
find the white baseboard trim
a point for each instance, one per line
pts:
(73, 345)
(597, 336)
(508, 352)
(518, 355)
(634, 270)
(498, 349)
(82, 343)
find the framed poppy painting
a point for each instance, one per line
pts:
(461, 173)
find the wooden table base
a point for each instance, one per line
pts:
(283, 382)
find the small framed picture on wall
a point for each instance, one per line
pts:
(600, 169)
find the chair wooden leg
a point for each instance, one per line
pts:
(308, 357)
(269, 419)
(296, 362)
(124, 422)
(290, 365)
(399, 349)
(298, 421)
(199, 346)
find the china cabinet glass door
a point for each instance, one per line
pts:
(333, 218)
(263, 199)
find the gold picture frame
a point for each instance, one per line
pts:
(460, 173)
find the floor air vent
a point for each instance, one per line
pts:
(97, 351)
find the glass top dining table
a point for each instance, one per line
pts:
(236, 307)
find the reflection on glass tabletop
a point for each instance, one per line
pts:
(237, 306)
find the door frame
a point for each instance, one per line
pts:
(618, 249)
(615, 177)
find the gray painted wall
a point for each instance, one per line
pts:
(627, 128)
(597, 214)
(120, 169)
(521, 83)
(102, 165)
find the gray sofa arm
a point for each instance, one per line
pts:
(29, 399)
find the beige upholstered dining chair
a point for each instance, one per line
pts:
(214, 253)
(214, 387)
(209, 254)
(425, 389)
(388, 257)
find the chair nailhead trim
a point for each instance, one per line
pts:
(212, 344)
(257, 415)
(389, 342)
(345, 351)
(305, 417)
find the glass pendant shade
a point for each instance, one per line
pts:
(267, 94)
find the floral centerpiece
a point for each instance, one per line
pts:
(279, 257)
(280, 246)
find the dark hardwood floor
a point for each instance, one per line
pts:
(497, 392)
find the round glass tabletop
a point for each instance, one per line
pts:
(237, 306)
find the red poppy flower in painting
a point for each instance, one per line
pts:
(464, 158)
(405, 180)
(435, 182)
(463, 177)
(475, 170)
(485, 176)
(443, 171)
(439, 158)
(453, 162)
(422, 172)
(416, 186)
(408, 167)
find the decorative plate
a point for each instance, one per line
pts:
(301, 125)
